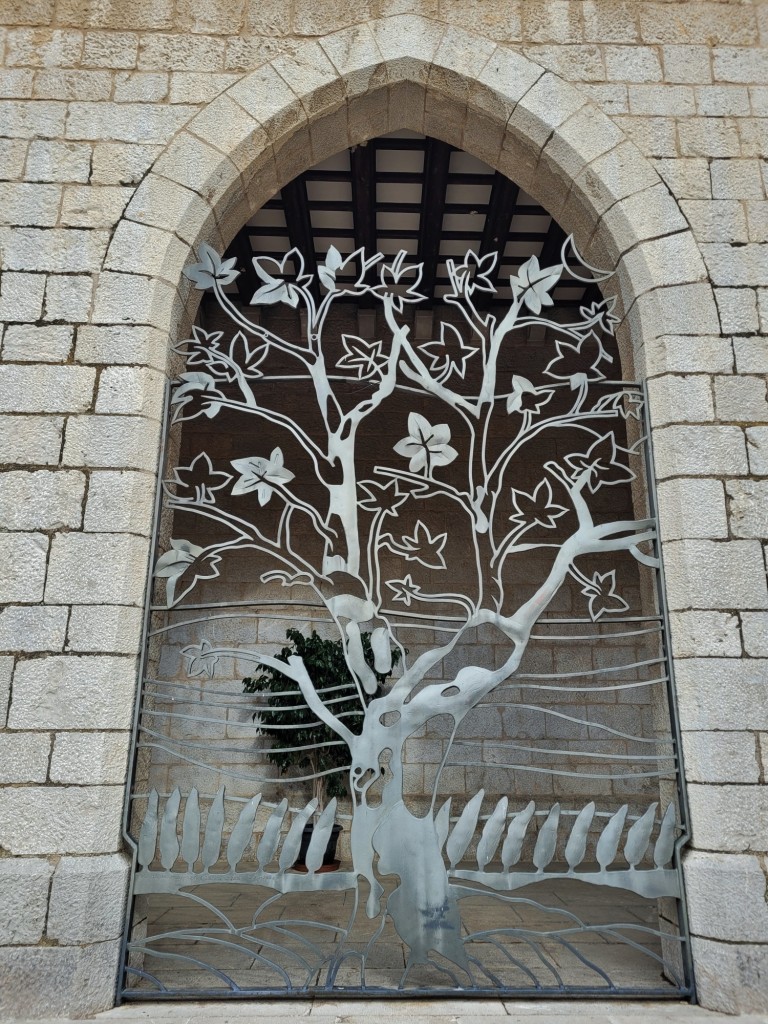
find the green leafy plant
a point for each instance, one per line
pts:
(327, 668)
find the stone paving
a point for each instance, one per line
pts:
(431, 1011)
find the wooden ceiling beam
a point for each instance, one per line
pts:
(299, 224)
(363, 165)
(502, 206)
(241, 248)
(437, 157)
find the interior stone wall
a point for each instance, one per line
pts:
(128, 132)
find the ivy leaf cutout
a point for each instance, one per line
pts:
(421, 547)
(365, 357)
(603, 599)
(537, 508)
(602, 463)
(532, 284)
(449, 355)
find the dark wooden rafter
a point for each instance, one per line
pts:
(242, 249)
(362, 162)
(437, 156)
(551, 251)
(501, 209)
(299, 223)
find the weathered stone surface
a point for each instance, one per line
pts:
(89, 758)
(726, 897)
(88, 567)
(24, 757)
(43, 500)
(722, 693)
(46, 388)
(22, 567)
(6, 671)
(757, 448)
(44, 981)
(73, 692)
(87, 899)
(699, 451)
(748, 507)
(754, 629)
(23, 899)
(31, 344)
(120, 502)
(731, 977)
(703, 634)
(117, 442)
(32, 628)
(60, 819)
(113, 629)
(720, 757)
(692, 507)
(729, 818)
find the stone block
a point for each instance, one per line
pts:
(738, 310)
(681, 309)
(13, 153)
(40, 47)
(674, 399)
(140, 249)
(50, 980)
(133, 345)
(754, 630)
(703, 634)
(720, 757)
(757, 447)
(23, 899)
(60, 819)
(687, 354)
(24, 757)
(120, 502)
(110, 50)
(686, 178)
(73, 692)
(730, 977)
(114, 629)
(686, 64)
(554, 21)
(45, 388)
(30, 440)
(120, 163)
(726, 897)
(59, 250)
(142, 87)
(722, 101)
(179, 52)
(32, 119)
(729, 818)
(733, 64)
(21, 296)
(741, 399)
(757, 218)
(722, 693)
(699, 451)
(90, 758)
(23, 203)
(663, 100)
(25, 343)
(96, 567)
(163, 203)
(93, 206)
(42, 500)
(58, 161)
(119, 442)
(130, 299)
(23, 559)
(57, 84)
(131, 391)
(126, 122)
(748, 507)
(68, 297)
(720, 221)
(692, 507)
(710, 137)
(632, 64)
(715, 574)
(32, 628)
(736, 179)
(87, 899)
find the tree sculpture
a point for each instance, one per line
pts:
(465, 428)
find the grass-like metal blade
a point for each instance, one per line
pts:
(489, 840)
(639, 836)
(512, 847)
(546, 843)
(320, 836)
(271, 835)
(665, 844)
(214, 828)
(576, 846)
(190, 830)
(608, 843)
(242, 832)
(169, 840)
(464, 829)
(148, 832)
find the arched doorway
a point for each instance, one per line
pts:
(451, 410)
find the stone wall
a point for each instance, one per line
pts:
(129, 131)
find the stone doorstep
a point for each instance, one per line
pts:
(436, 1011)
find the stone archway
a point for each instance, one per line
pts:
(361, 82)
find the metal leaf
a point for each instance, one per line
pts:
(639, 837)
(546, 843)
(190, 830)
(320, 836)
(292, 843)
(608, 843)
(665, 844)
(464, 829)
(242, 832)
(443, 823)
(271, 836)
(169, 841)
(513, 844)
(148, 832)
(576, 846)
(489, 840)
(214, 827)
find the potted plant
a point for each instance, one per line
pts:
(326, 757)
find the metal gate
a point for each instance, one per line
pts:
(409, 587)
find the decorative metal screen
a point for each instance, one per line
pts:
(453, 519)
